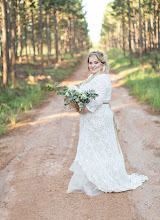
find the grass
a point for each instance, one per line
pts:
(143, 83)
(30, 89)
(15, 101)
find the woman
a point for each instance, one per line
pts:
(99, 164)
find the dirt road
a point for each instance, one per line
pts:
(39, 153)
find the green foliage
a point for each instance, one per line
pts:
(67, 56)
(21, 99)
(58, 89)
(146, 87)
(143, 83)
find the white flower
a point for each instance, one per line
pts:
(67, 94)
(80, 91)
(83, 96)
(72, 87)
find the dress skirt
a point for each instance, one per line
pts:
(99, 164)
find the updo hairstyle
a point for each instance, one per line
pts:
(102, 58)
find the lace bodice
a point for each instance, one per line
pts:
(102, 86)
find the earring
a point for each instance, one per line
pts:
(103, 68)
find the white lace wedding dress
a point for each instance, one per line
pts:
(99, 165)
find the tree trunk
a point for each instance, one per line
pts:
(158, 32)
(140, 37)
(124, 54)
(155, 37)
(150, 30)
(13, 42)
(145, 43)
(41, 33)
(70, 36)
(129, 27)
(25, 31)
(74, 35)
(1, 53)
(16, 41)
(65, 40)
(19, 31)
(134, 28)
(47, 35)
(49, 32)
(119, 39)
(5, 49)
(55, 34)
(33, 38)
(9, 35)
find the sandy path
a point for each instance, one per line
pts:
(33, 185)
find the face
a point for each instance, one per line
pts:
(94, 64)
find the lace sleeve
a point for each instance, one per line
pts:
(102, 86)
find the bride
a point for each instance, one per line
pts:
(99, 164)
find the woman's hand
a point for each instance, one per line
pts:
(84, 111)
(77, 110)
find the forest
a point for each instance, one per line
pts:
(35, 30)
(134, 26)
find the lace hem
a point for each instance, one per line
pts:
(81, 183)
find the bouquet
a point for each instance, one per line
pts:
(74, 96)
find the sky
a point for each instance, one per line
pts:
(95, 10)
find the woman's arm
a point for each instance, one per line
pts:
(102, 86)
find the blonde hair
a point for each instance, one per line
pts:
(102, 58)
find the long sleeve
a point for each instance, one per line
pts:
(102, 86)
